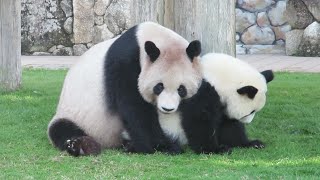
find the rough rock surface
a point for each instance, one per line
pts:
(79, 49)
(244, 20)
(310, 43)
(258, 35)
(297, 14)
(254, 5)
(314, 8)
(117, 16)
(83, 21)
(293, 40)
(276, 14)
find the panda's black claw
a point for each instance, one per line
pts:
(257, 144)
(73, 147)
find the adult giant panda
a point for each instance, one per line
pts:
(124, 83)
(231, 94)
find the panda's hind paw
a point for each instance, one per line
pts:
(257, 144)
(223, 149)
(82, 146)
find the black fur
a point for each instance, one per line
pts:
(201, 118)
(250, 91)
(152, 50)
(208, 128)
(140, 118)
(63, 130)
(194, 49)
(268, 74)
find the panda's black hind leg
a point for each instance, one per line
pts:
(66, 135)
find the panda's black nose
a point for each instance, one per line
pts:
(165, 109)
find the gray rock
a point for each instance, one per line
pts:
(244, 20)
(79, 49)
(297, 14)
(258, 35)
(98, 20)
(280, 42)
(83, 21)
(102, 33)
(314, 8)
(293, 40)
(101, 6)
(89, 45)
(42, 26)
(41, 54)
(53, 48)
(310, 43)
(60, 46)
(241, 50)
(262, 19)
(265, 49)
(68, 25)
(66, 51)
(276, 14)
(117, 16)
(66, 6)
(254, 5)
(280, 31)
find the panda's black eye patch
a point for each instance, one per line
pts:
(157, 89)
(182, 91)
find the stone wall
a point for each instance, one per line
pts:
(304, 18)
(70, 27)
(261, 26)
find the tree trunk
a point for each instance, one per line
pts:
(10, 45)
(210, 21)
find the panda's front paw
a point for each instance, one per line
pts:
(171, 148)
(223, 149)
(257, 144)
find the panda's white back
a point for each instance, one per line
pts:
(82, 98)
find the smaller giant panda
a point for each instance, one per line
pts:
(231, 93)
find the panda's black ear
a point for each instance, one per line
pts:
(250, 91)
(152, 50)
(194, 49)
(268, 74)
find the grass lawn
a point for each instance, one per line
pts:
(289, 125)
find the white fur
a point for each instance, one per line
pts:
(171, 125)
(168, 100)
(228, 74)
(82, 98)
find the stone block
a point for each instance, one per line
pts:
(297, 14)
(83, 21)
(79, 49)
(276, 14)
(244, 20)
(293, 40)
(258, 35)
(254, 5)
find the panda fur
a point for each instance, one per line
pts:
(231, 94)
(112, 89)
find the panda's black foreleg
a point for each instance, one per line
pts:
(144, 129)
(233, 133)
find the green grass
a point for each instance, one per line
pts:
(289, 125)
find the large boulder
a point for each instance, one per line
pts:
(244, 20)
(314, 8)
(276, 14)
(310, 43)
(297, 14)
(258, 35)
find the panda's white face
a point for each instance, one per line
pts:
(170, 68)
(240, 87)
